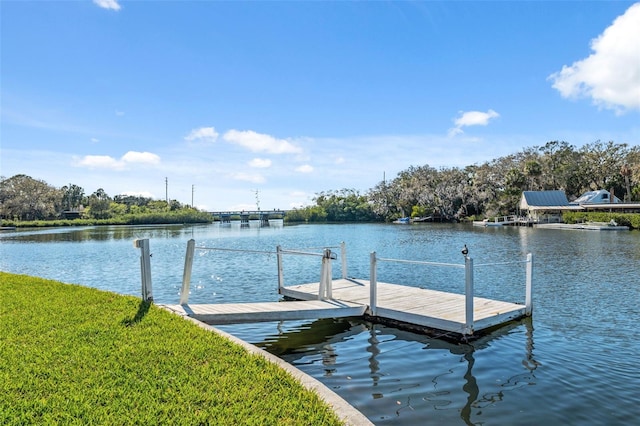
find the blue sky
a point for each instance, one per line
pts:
(293, 98)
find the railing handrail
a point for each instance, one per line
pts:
(502, 263)
(236, 250)
(304, 253)
(420, 262)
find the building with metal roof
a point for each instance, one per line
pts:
(548, 206)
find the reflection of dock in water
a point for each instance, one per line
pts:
(324, 339)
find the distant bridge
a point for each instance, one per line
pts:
(245, 215)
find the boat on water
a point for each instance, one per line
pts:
(486, 222)
(403, 220)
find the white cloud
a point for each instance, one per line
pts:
(339, 160)
(95, 140)
(141, 157)
(305, 168)
(248, 177)
(108, 162)
(610, 76)
(119, 113)
(203, 134)
(99, 162)
(108, 4)
(260, 163)
(257, 142)
(472, 118)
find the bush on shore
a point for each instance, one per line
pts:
(624, 219)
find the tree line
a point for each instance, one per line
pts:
(490, 189)
(23, 198)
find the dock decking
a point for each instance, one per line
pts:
(415, 307)
(424, 308)
(230, 313)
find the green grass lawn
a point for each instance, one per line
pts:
(76, 355)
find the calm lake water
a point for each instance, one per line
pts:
(576, 361)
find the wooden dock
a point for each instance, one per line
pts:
(416, 307)
(231, 313)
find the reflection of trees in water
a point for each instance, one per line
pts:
(101, 233)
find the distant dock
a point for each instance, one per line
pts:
(451, 315)
(589, 226)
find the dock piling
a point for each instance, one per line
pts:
(343, 256)
(145, 268)
(325, 290)
(186, 275)
(280, 269)
(528, 296)
(468, 292)
(373, 284)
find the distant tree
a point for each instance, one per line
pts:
(533, 171)
(345, 205)
(600, 165)
(72, 196)
(625, 171)
(132, 200)
(559, 165)
(99, 204)
(25, 198)
(117, 209)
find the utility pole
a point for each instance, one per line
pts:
(166, 189)
(257, 199)
(192, 189)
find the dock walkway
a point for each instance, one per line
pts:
(414, 307)
(231, 313)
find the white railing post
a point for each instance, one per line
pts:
(528, 299)
(373, 284)
(145, 268)
(343, 257)
(468, 292)
(325, 291)
(186, 275)
(323, 280)
(280, 270)
(328, 276)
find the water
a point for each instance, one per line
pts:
(576, 361)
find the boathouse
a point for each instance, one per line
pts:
(545, 206)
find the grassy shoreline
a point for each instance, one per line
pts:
(76, 355)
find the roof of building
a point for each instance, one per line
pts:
(555, 198)
(595, 197)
